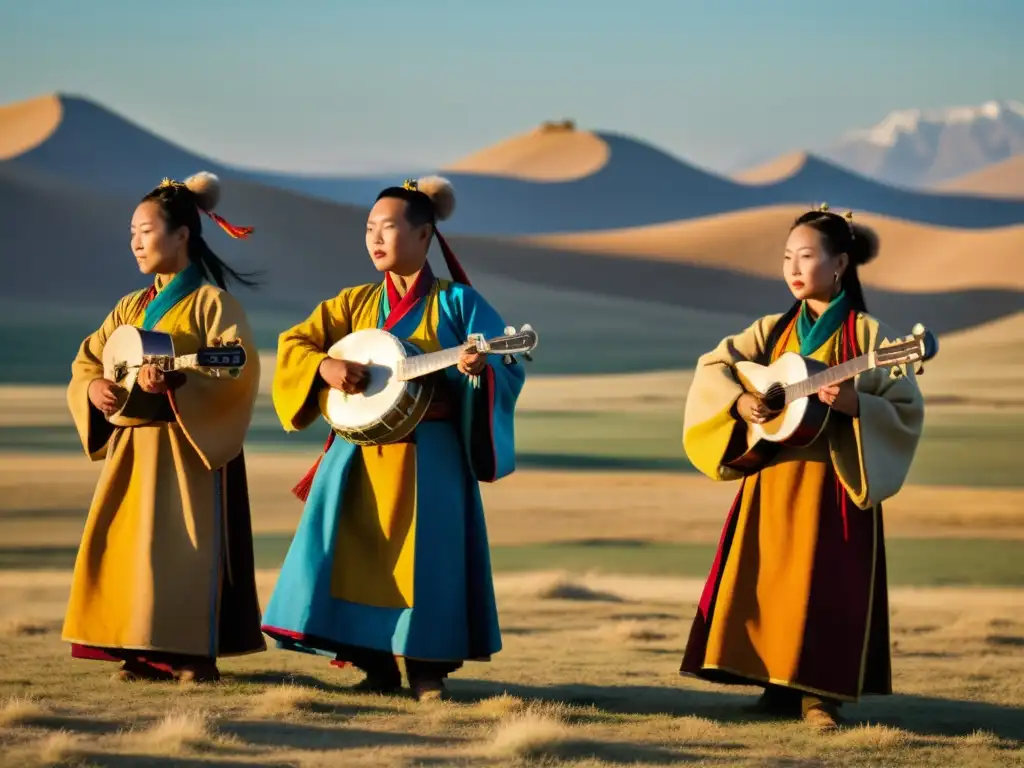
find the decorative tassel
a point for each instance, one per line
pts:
(457, 272)
(239, 233)
(306, 483)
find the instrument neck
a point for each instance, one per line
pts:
(834, 375)
(177, 363)
(431, 362)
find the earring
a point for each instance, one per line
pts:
(835, 277)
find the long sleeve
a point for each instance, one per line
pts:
(709, 425)
(487, 403)
(214, 412)
(873, 453)
(93, 429)
(300, 350)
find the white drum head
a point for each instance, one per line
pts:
(381, 352)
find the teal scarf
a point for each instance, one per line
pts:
(813, 333)
(181, 285)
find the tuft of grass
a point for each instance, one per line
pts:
(282, 700)
(562, 587)
(19, 710)
(528, 735)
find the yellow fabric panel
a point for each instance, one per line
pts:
(374, 553)
(707, 423)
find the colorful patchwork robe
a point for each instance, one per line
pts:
(165, 569)
(797, 594)
(391, 554)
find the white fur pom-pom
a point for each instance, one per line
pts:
(441, 194)
(206, 187)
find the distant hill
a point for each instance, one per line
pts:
(1002, 179)
(594, 312)
(923, 148)
(637, 185)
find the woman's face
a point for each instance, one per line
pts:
(393, 243)
(157, 250)
(810, 271)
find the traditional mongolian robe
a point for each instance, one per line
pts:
(165, 570)
(391, 554)
(797, 594)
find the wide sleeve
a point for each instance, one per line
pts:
(93, 429)
(214, 411)
(487, 401)
(300, 350)
(710, 424)
(872, 453)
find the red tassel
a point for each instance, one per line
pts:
(457, 272)
(239, 233)
(302, 489)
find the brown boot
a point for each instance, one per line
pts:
(133, 671)
(199, 672)
(429, 690)
(820, 713)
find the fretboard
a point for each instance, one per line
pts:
(423, 365)
(184, 362)
(833, 375)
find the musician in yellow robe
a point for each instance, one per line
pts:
(391, 556)
(164, 580)
(796, 600)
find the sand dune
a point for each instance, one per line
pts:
(914, 257)
(550, 152)
(25, 125)
(774, 171)
(1002, 179)
(545, 182)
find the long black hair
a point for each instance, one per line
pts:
(839, 235)
(181, 203)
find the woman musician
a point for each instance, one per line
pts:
(796, 601)
(164, 580)
(391, 558)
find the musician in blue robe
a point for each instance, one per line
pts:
(391, 557)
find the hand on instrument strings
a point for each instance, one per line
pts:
(153, 380)
(752, 409)
(103, 395)
(472, 363)
(841, 397)
(351, 378)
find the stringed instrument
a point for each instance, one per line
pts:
(397, 394)
(788, 387)
(129, 348)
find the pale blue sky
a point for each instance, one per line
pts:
(348, 85)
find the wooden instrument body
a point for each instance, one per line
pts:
(128, 348)
(796, 425)
(399, 389)
(389, 409)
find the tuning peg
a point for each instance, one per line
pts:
(528, 357)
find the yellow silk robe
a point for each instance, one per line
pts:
(165, 564)
(797, 594)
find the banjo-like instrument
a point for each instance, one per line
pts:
(397, 394)
(129, 348)
(788, 387)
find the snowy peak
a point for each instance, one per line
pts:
(925, 147)
(909, 121)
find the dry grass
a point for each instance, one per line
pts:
(579, 683)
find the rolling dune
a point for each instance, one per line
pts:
(774, 171)
(27, 124)
(1002, 179)
(913, 257)
(541, 183)
(547, 153)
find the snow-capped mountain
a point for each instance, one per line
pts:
(921, 148)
